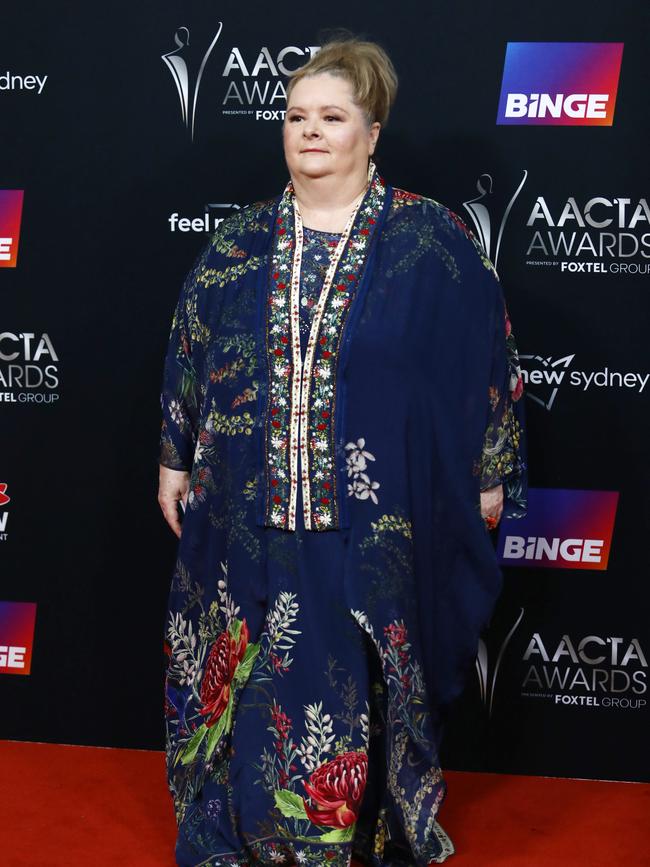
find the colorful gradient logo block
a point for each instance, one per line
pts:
(563, 529)
(16, 636)
(11, 211)
(560, 83)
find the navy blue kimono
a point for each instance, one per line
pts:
(334, 572)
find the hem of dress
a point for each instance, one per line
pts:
(278, 843)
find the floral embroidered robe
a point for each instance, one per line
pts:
(357, 462)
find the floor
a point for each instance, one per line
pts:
(71, 806)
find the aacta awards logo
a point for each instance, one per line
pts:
(593, 235)
(563, 529)
(480, 210)
(486, 683)
(252, 83)
(11, 210)
(28, 368)
(5, 499)
(560, 83)
(17, 621)
(589, 671)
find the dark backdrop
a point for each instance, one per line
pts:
(105, 160)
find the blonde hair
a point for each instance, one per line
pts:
(365, 65)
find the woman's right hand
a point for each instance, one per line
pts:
(173, 487)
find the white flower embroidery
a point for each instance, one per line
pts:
(362, 488)
(177, 413)
(361, 485)
(356, 460)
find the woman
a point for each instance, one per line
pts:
(339, 399)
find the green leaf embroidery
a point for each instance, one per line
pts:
(222, 727)
(290, 804)
(338, 835)
(189, 751)
(243, 670)
(235, 628)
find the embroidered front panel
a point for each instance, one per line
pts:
(301, 404)
(278, 347)
(322, 402)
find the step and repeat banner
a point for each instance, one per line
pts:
(129, 132)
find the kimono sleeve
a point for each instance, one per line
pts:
(503, 459)
(181, 393)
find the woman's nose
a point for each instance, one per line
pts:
(310, 129)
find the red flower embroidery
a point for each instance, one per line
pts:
(336, 788)
(519, 389)
(224, 657)
(396, 634)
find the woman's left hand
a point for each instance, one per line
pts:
(492, 506)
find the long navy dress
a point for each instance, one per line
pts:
(303, 714)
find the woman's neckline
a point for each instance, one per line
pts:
(321, 232)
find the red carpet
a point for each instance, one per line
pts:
(67, 806)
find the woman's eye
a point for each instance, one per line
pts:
(294, 117)
(332, 117)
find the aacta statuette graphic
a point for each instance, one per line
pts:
(177, 65)
(480, 214)
(482, 666)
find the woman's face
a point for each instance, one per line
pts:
(324, 132)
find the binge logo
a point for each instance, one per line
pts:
(563, 529)
(11, 210)
(16, 636)
(560, 83)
